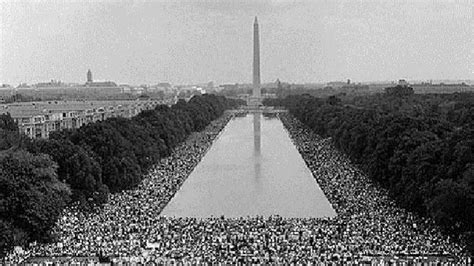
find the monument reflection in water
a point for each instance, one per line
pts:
(252, 169)
(257, 144)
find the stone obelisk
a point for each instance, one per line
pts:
(256, 64)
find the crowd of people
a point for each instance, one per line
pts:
(368, 225)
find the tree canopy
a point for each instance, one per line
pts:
(31, 197)
(419, 147)
(41, 176)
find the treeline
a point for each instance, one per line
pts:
(422, 154)
(457, 108)
(40, 177)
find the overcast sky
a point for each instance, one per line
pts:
(145, 42)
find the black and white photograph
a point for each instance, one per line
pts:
(236, 132)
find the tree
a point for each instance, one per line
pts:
(31, 198)
(77, 168)
(7, 122)
(333, 100)
(452, 206)
(419, 147)
(9, 135)
(88, 161)
(120, 168)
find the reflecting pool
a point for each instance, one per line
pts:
(252, 169)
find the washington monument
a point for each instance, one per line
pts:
(256, 63)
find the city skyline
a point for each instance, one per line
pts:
(302, 42)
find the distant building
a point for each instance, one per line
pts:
(100, 84)
(106, 84)
(52, 83)
(348, 86)
(139, 90)
(23, 85)
(336, 84)
(163, 86)
(39, 119)
(403, 82)
(229, 86)
(269, 96)
(354, 87)
(89, 76)
(430, 87)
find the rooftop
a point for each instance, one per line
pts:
(25, 109)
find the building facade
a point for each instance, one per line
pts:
(39, 119)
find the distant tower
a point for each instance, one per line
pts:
(89, 76)
(278, 84)
(256, 61)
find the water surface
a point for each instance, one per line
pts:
(252, 169)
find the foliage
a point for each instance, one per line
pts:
(124, 148)
(419, 147)
(77, 168)
(9, 135)
(84, 164)
(31, 198)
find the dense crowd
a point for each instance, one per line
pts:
(368, 226)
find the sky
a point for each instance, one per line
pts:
(188, 42)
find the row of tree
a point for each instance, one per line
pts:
(424, 159)
(40, 177)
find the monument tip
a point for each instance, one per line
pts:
(256, 21)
